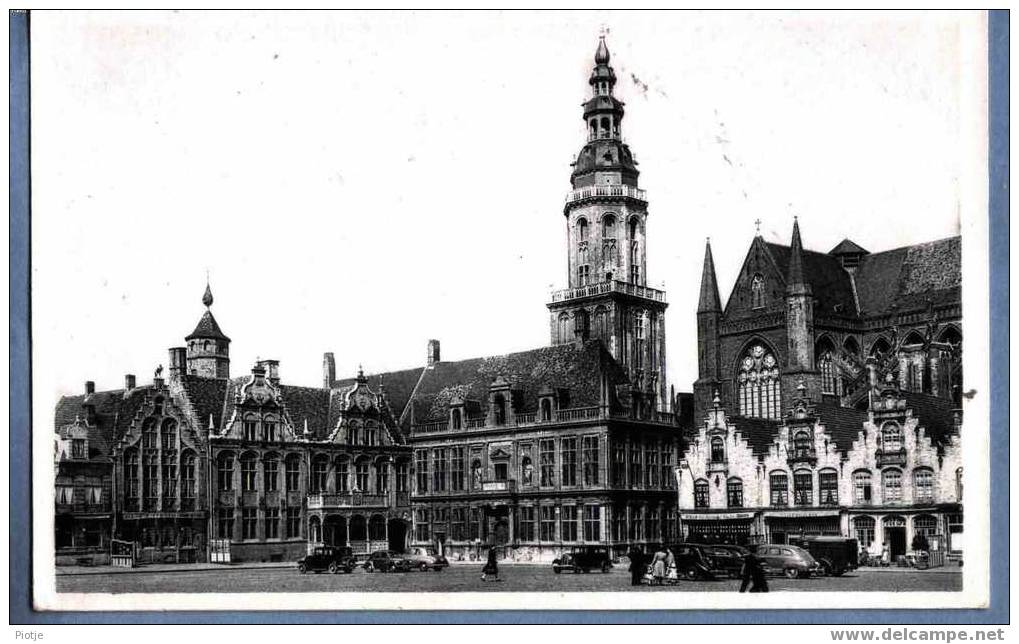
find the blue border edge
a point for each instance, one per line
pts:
(20, 597)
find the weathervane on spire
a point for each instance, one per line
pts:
(757, 223)
(207, 298)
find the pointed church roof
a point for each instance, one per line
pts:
(709, 299)
(794, 278)
(207, 328)
(848, 247)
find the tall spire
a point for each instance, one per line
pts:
(795, 277)
(709, 301)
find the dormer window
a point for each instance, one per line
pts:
(546, 409)
(456, 419)
(250, 429)
(369, 434)
(270, 430)
(499, 403)
(78, 448)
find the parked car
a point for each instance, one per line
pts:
(837, 555)
(331, 558)
(386, 561)
(583, 559)
(426, 559)
(727, 560)
(791, 561)
(698, 561)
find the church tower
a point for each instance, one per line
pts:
(709, 319)
(208, 349)
(606, 217)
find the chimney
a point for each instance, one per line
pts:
(129, 381)
(90, 387)
(328, 370)
(272, 370)
(433, 352)
(178, 362)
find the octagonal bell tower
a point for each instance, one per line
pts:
(606, 218)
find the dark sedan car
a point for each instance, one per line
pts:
(329, 558)
(698, 561)
(583, 559)
(387, 561)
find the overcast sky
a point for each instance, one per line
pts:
(360, 183)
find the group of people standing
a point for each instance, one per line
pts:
(660, 567)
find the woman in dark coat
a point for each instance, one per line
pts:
(753, 572)
(638, 566)
(491, 568)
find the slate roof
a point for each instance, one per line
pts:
(848, 247)
(905, 278)
(113, 415)
(758, 432)
(829, 282)
(310, 404)
(207, 396)
(207, 327)
(567, 366)
(398, 386)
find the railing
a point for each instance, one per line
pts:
(884, 458)
(558, 416)
(606, 191)
(802, 456)
(320, 501)
(609, 286)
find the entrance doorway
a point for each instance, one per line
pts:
(497, 520)
(334, 531)
(895, 536)
(397, 534)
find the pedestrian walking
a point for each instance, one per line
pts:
(637, 567)
(753, 575)
(658, 568)
(491, 568)
(671, 573)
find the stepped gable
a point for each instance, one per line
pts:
(829, 282)
(936, 415)
(906, 278)
(565, 366)
(114, 414)
(398, 386)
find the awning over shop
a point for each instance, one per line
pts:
(717, 516)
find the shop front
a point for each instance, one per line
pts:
(783, 526)
(736, 528)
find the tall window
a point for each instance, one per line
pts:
(150, 437)
(636, 471)
(828, 487)
(381, 477)
(169, 476)
(619, 465)
(270, 429)
(458, 524)
(293, 473)
(863, 528)
(422, 527)
(78, 448)
(319, 468)
(717, 450)
(457, 418)
(564, 327)
(150, 472)
(830, 381)
(583, 275)
(440, 464)
(958, 485)
(637, 523)
(249, 523)
(370, 433)
(249, 467)
(651, 524)
(169, 434)
(757, 291)
(701, 494)
(862, 492)
(734, 492)
(354, 433)
(188, 478)
(402, 476)
(526, 523)
(250, 429)
(458, 471)
(568, 522)
(608, 227)
(499, 402)
(342, 474)
(891, 486)
(635, 262)
(803, 488)
(546, 524)
(271, 473)
(668, 480)
(651, 463)
(923, 485)
(546, 462)
(779, 489)
(758, 384)
(581, 229)
(225, 472)
(272, 523)
(131, 479)
(293, 523)
(225, 523)
(891, 437)
(592, 523)
(803, 446)
(361, 474)
(421, 467)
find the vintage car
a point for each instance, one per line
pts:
(791, 561)
(424, 559)
(837, 555)
(387, 561)
(698, 561)
(583, 559)
(331, 558)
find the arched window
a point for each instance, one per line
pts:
(880, 347)
(361, 475)
(600, 326)
(293, 473)
(381, 477)
(564, 328)
(188, 479)
(225, 471)
(851, 346)
(830, 382)
(370, 433)
(863, 528)
(271, 473)
(169, 434)
(862, 492)
(582, 229)
(608, 227)
(828, 487)
(891, 437)
(925, 525)
(132, 481)
(499, 404)
(779, 488)
(354, 433)
(269, 425)
(717, 450)
(314, 530)
(150, 436)
(456, 416)
(803, 446)
(249, 469)
(635, 262)
(891, 486)
(377, 527)
(757, 291)
(923, 485)
(250, 428)
(546, 409)
(169, 478)
(580, 323)
(319, 469)
(803, 487)
(342, 474)
(734, 492)
(758, 384)
(701, 494)
(604, 129)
